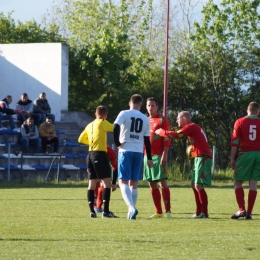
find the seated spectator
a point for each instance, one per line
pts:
(48, 134)
(6, 112)
(41, 106)
(26, 105)
(29, 136)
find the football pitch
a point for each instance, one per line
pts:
(52, 222)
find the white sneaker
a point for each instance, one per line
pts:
(17, 130)
(3, 128)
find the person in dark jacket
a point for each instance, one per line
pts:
(6, 112)
(26, 105)
(41, 106)
(29, 136)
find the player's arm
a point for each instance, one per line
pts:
(235, 141)
(148, 151)
(164, 156)
(116, 133)
(83, 138)
(169, 134)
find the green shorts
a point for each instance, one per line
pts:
(201, 173)
(248, 166)
(157, 172)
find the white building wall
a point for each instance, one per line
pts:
(35, 68)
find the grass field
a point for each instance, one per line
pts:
(49, 221)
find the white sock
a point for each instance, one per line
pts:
(127, 195)
(134, 195)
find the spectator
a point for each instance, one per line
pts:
(26, 105)
(29, 136)
(48, 134)
(41, 106)
(6, 112)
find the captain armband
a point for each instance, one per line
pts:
(180, 134)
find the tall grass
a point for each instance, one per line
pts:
(182, 172)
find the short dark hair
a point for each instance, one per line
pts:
(29, 118)
(48, 117)
(136, 99)
(253, 107)
(101, 110)
(152, 99)
(24, 95)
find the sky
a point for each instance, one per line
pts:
(26, 10)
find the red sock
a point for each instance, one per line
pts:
(251, 201)
(157, 200)
(240, 198)
(99, 197)
(166, 199)
(197, 200)
(203, 201)
(95, 193)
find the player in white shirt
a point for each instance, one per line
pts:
(131, 131)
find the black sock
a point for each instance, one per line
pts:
(91, 199)
(106, 199)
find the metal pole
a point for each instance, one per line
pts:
(9, 163)
(213, 161)
(165, 93)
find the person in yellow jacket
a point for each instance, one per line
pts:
(95, 136)
(48, 134)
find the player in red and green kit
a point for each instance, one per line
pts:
(157, 175)
(246, 137)
(201, 173)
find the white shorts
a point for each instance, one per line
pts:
(130, 166)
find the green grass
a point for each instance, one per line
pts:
(51, 221)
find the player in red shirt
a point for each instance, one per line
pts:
(246, 138)
(201, 173)
(112, 157)
(157, 175)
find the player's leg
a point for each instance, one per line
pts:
(197, 201)
(255, 176)
(156, 195)
(103, 170)
(251, 198)
(152, 175)
(99, 198)
(124, 176)
(135, 176)
(166, 195)
(91, 196)
(96, 194)
(92, 179)
(203, 197)
(244, 166)
(202, 170)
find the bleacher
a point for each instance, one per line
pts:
(68, 164)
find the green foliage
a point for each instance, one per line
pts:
(117, 49)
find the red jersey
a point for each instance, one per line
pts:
(196, 136)
(157, 142)
(246, 134)
(112, 157)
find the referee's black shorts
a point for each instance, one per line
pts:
(98, 165)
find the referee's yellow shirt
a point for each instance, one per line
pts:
(95, 135)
